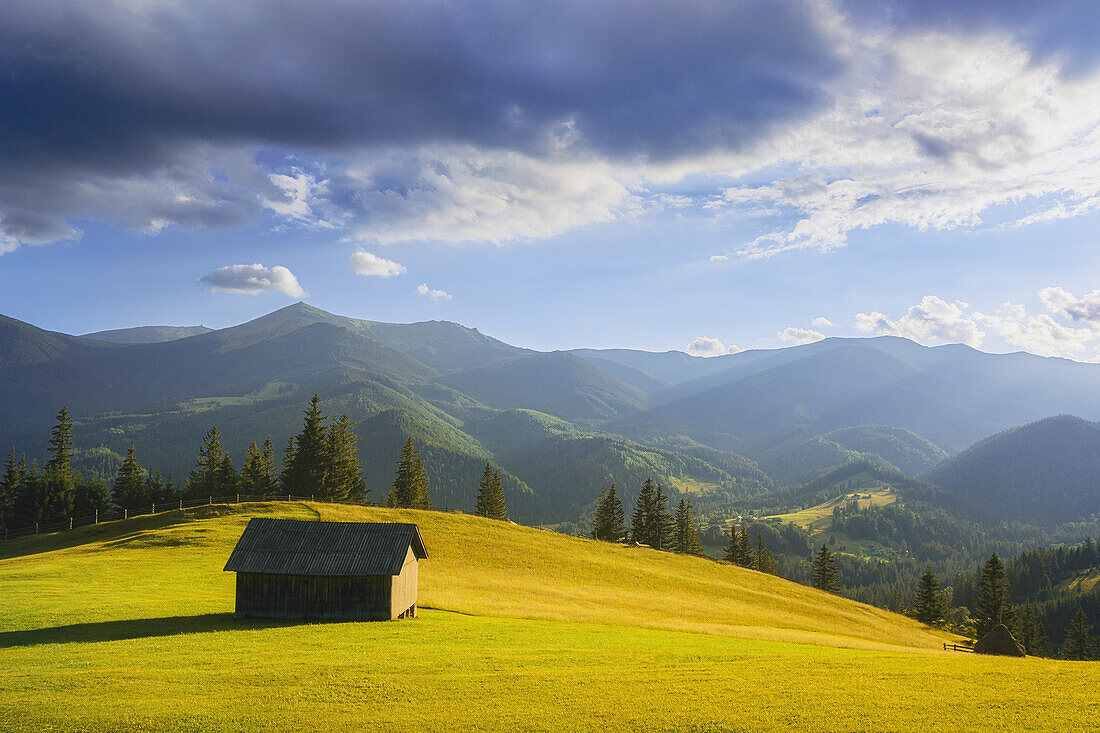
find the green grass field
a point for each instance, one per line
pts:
(819, 518)
(128, 626)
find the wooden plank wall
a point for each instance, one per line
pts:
(352, 598)
(403, 593)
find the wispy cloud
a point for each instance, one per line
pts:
(253, 280)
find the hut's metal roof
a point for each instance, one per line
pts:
(295, 547)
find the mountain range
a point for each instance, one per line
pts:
(724, 429)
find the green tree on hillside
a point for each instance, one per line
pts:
(765, 561)
(258, 473)
(305, 467)
(1079, 642)
(206, 477)
(643, 523)
(131, 489)
(739, 549)
(687, 532)
(663, 523)
(91, 495)
(928, 607)
(992, 606)
(9, 488)
(1032, 635)
(410, 486)
(610, 515)
(59, 477)
(826, 577)
(490, 496)
(343, 471)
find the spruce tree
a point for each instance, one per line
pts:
(664, 524)
(343, 472)
(643, 524)
(205, 477)
(305, 471)
(687, 532)
(608, 523)
(992, 607)
(1032, 636)
(60, 480)
(490, 495)
(928, 606)
(92, 494)
(765, 561)
(739, 549)
(826, 577)
(410, 485)
(270, 469)
(9, 488)
(255, 478)
(1079, 643)
(228, 478)
(130, 485)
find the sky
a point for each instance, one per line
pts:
(703, 176)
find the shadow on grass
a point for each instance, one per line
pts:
(143, 628)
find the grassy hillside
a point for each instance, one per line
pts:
(128, 627)
(819, 518)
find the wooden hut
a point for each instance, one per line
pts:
(355, 571)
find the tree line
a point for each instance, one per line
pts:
(321, 460)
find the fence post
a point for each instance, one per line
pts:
(181, 503)
(70, 523)
(125, 513)
(97, 515)
(311, 497)
(288, 497)
(36, 527)
(154, 507)
(209, 500)
(238, 498)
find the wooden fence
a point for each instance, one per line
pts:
(958, 647)
(157, 508)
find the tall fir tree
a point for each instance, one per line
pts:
(739, 549)
(1032, 636)
(992, 607)
(490, 495)
(642, 523)
(765, 560)
(305, 472)
(664, 524)
(130, 489)
(205, 477)
(9, 488)
(256, 476)
(270, 468)
(928, 606)
(826, 577)
(410, 485)
(59, 477)
(608, 522)
(1079, 644)
(343, 472)
(92, 494)
(687, 531)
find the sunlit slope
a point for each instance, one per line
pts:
(159, 567)
(126, 627)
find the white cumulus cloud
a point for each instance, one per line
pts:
(933, 320)
(795, 335)
(1066, 305)
(366, 263)
(253, 280)
(822, 322)
(423, 289)
(709, 346)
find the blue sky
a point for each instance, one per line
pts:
(703, 176)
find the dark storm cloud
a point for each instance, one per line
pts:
(110, 87)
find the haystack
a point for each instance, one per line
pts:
(999, 641)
